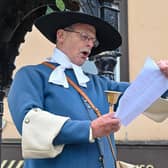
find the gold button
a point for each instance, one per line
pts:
(27, 120)
(85, 100)
(100, 158)
(36, 110)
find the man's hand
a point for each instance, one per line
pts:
(163, 65)
(104, 125)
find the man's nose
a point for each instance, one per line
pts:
(90, 43)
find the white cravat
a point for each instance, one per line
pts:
(58, 76)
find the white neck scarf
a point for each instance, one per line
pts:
(58, 76)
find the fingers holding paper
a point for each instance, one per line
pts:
(104, 125)
(163, 65)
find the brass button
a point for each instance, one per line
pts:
(85, 100)
(36, 110)
(100, 158)
(27, 120)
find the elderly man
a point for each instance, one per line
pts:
(59, 128)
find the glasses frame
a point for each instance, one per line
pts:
(84, 36)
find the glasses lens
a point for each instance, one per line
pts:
(84, 37)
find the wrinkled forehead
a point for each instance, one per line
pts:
(84, 26)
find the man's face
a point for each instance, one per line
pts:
(77, 42)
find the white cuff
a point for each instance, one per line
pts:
(91, 139)
(38, 132)
(158, 111)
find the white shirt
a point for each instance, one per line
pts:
(58, 76)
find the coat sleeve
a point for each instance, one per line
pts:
(38, 132)
(26, 94)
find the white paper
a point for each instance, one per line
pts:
(149, 85)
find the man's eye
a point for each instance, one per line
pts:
(85, 37)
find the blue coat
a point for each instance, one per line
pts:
(30, 89)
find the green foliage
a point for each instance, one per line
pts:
(60, 5)
(49, 10)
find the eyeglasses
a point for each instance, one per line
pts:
(84, 36)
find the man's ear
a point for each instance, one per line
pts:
(60, 35)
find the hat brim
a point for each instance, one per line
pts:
(109, 38)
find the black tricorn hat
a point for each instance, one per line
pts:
(108, 37)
